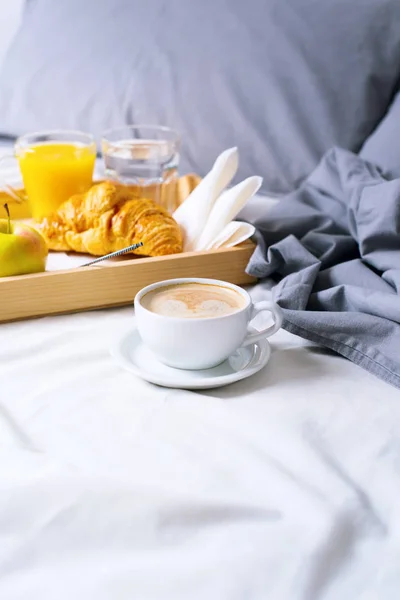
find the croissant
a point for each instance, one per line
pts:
(108, 217)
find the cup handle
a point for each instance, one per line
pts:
(258, 307)
(3, 184)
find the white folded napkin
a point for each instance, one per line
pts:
(206, 216)
(232, 234)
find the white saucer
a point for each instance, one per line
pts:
(131, 354)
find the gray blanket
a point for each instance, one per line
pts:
(333, 247)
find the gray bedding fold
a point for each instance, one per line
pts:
(333, 246)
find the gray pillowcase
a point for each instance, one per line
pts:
(383, 146)
(284, 81)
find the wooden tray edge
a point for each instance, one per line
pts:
(114, 284)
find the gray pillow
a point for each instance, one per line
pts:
(383, 146)
(283, 80)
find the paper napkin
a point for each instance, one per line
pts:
(207, 216)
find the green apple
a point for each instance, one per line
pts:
(22, 248)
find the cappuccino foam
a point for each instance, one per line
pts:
(193, 300)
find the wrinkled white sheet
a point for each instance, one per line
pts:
(284, 486)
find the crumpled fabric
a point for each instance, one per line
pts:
(333, 247)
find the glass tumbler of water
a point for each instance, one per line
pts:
(145, 158)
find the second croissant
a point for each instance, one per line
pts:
(109, 217)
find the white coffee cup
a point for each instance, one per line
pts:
(201, 343)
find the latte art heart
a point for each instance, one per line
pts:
(193, 300)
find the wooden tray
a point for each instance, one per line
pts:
(114, 284)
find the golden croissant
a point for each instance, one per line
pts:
(107, 218)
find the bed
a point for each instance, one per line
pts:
(282, 486)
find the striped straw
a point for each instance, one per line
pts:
(113, 254)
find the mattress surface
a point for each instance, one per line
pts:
(282, 486)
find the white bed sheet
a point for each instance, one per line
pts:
(285, 486)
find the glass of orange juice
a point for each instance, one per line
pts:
(54, 166)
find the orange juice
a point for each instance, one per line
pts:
(53, 172)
